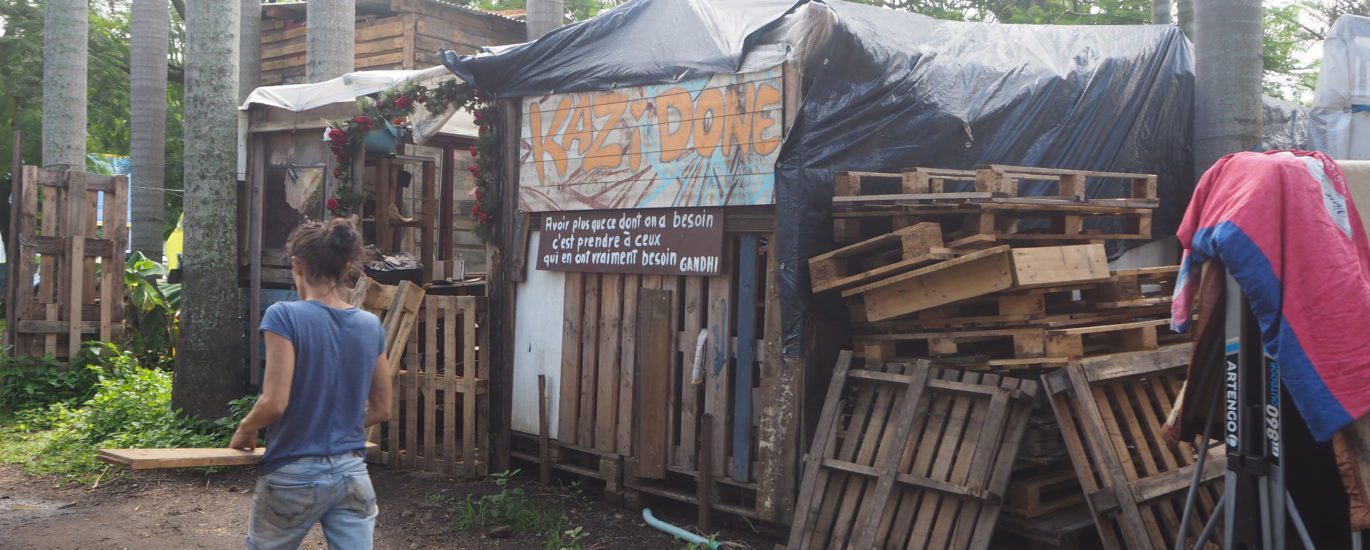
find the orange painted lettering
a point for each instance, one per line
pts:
(675, 141)
(579, 129)
(708, 123)
(545, 143)
(737, 136)
(767, 99)
(638, 109)
(601, 154)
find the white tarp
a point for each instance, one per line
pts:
(1341, 105)
(347, 88)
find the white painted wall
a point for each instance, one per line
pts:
(537, 343)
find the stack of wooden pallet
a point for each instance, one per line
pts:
(964, 270)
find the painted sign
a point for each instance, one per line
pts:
(665, 241)
(704, 142)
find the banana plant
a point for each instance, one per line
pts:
(153, 312)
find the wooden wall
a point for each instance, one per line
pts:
(600, 385)
(407, 39)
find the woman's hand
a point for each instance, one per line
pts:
(243, 440)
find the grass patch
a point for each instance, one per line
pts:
(103, 399)
(512, 508)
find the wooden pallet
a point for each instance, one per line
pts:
(76, 261)
(1027, 342)
(1070, 529)
(1043, 494)
(909, 456)
(981, 273)
(1005, 219)
(1111, 409)
(440, 411)
(1069, 184)
(889, 254)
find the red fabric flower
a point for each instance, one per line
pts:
(484, 218)
(478, 117)
(479, 195)
(336, 135)
(475, 151)
(474, 170)
(333, 203)
(403, 102)
(476, 210)
(337, 171)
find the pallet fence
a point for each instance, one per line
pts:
(72, 234)
(441, 409)
(599, 422)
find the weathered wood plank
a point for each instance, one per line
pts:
(653, 381)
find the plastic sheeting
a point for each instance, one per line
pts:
(1286, 126)
(347, 88)
(1341, 103)
(884, 90)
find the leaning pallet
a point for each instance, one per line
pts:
(909, 456)
(979, 274)
(70, 251)
(1111, 409)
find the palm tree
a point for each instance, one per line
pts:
(1184, 13)
(1160, 12)
(330, 32)
(64, 83)
(250, 57)
(209, 362)
(1227, 79)
(148, 80)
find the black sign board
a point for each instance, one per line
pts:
(659, 241)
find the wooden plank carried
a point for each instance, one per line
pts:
(1134, 483)
(923, 459)
(198, 457)
(980, 273)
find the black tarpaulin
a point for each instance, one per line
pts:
(884, 90)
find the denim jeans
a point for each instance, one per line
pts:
(335, 491)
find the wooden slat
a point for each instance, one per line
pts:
(74, 226)
(693, 314)
(627, 366)
(569, 401)
(778, 437)
(652, 381)
(589, 324)
(824, 442)
(471, 416)
(718, 375)
(606, 398)
(740, 468)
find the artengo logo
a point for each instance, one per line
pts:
(1230, 418)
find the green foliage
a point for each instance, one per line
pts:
(127, 405)
(38, 382)
(153, 307)
(512, 507)
(107, 110)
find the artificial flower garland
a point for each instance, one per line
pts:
(346, 139)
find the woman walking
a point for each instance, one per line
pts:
(326, 381)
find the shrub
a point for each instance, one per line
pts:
(37, 382)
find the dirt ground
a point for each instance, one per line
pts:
(183, 510)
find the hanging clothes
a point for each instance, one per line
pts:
(1286, 228)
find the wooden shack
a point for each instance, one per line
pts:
(391, 34)
(641, 277)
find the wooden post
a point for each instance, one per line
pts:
(544, 436)
(75, 223)
(427, 226)
(445, 214)
(12, 245)
(704, 490)
(257, 162)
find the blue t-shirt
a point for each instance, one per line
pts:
(335, 354)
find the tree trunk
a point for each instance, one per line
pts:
(1184, 11)
(330, 32)
(250, 58)
(1227, 79)
(209, 359)
(1160, 12)
(544, 16)
(64, 83)
(147, 126)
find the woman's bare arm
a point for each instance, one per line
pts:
(280, 371)
(378, 401)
